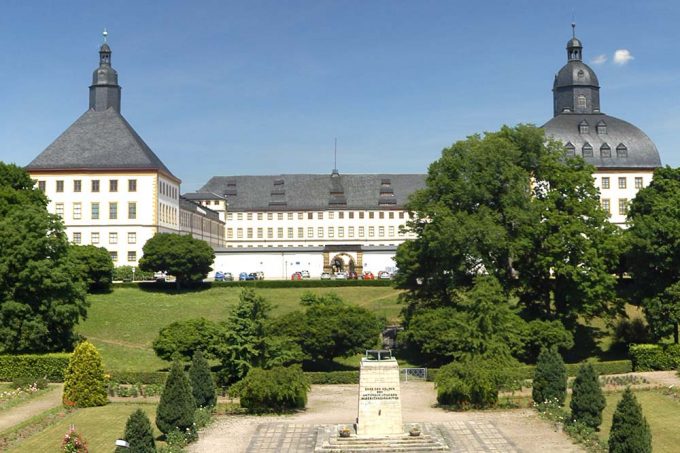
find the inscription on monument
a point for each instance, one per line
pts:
(380, 393)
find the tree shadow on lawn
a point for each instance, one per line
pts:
(587, 341)
(170, 288)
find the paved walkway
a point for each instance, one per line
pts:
(31, 408)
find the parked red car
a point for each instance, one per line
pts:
(352, 275)
(296, 276)
(368, 276)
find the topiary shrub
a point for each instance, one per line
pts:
(186, 337)
(279, 389)
(176, 408)
(202, 384)
(138, 434)
(630, 432)
(550, 378)
(84, 382)
(587, 399)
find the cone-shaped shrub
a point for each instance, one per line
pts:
(550, 378)
(202, 384)
(587, 399)
(630, 431)
(138, 434)
(84, 384)
(176, 408)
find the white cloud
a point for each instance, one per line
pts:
(599, 59)
(622, 56)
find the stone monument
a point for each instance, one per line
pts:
(379, 411)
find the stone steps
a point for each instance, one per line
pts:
(328, 441)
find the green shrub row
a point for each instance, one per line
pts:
(261, 284)
(651, 357)
(138, 377)
(48, 366)
(332, 377)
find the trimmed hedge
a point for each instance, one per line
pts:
(48, 366)
(653, 357)
(332, 377)
(138, 377)
(170, 286)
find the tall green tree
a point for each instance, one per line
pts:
(587, 399)
(42, 297)
(512, 205)
(181, 255)
(550, 378)
(138, 434)
(202, 384)
(653, 259)
(95, 266)
(629, 432)
(84, 384)
(176, 408)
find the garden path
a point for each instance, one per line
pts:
(31, 408)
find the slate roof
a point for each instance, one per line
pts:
(315, 192)
(202, 196)
(99, 140)
(641, 151)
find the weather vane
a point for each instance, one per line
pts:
(105, 34)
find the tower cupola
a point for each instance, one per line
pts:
(105, 91)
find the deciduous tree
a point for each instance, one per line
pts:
(95, 266)
(186, 258)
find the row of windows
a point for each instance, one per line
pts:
(77, 210)
(167, 190)
(131, 255)
(624, 203)
(94, 238)
(584, 127)
(168, 214)
(319, 215)
(623, 182)
(605, 150)
(320, 231)
(94, 185)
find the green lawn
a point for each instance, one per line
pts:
(123, 324)
(662, 413)
(100, 426)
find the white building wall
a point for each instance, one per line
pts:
(275, 265)
(618, 188)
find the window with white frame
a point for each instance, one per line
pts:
(77, 211)
(94, 237)
(113, 238)
(132, 237)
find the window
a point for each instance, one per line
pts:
(249, 216)
(341, 215)
(319, 232)
(605, 150)
(60, 186)
(230, 216)
(279, 216)
(350, 232)
(638, 182)
(59, 209)
(370, 215)
(570, 149)
(132, 210)
(132, 238)
(341, 232)
(94, 211)
(113, 185)
(381, 215)
(621, 150)
(113, 238)
(41, 185)
(320, 216)
(270, 233)
(361, 231)
(77, 238)
(113, 210)
(300, 216)
(622, 183)
(260, 233)
(77, 185)
(623, 206)
(583, 127)
(401, 214)
(239, 216)
(301, 232)
(587, 150)
(606, 205)
(114, 256)
(132, 255)
(310, 232)
(132, 185)
(391, 231)
(95, 185)
(94, 238)
(391, 215)
(259, 216)
(290, 216)
(230, 233)
(331, 232)
(361, 215)
(239, 233)
(270, 216)
(331, 215)
(605, 182)
(249, 233)
(310, 215)
(601, 128)
(290, 233)
(381, 231)
(279, 233)
(351, 214)
(77, 211)
(581, 102)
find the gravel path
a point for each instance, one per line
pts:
(329, 404)
(31, 408)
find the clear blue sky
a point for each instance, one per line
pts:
(263, 87)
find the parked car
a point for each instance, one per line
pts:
(246, 276)
(252, 276)
(219, 276)
(368, 276)
(384, 275)
(296, 276)
(305, 274)
(228, 277)
(259, 275)
(352, 275)
(325, 276)
(160, 276)
(340, 276)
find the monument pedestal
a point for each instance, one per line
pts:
(379, 398)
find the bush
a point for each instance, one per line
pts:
(176, 408)
(84, 384)
(539, 335)
(652, 357)
(125, 274)
(332, 377)
(630, 432)
(587, 399)
(202, 383)
(185, 338)
(48, 366)
(550, 378)
(138, 434)
(279, 389)
(472, 383)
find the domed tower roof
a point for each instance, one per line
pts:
(105, 91)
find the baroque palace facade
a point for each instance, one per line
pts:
(113, 191)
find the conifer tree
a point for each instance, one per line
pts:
(176, 408)
(138, 434)
(630, 432)
(550, 378)
(587, 399)
(84, 378)
(202, 384)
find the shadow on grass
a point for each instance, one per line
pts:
(171, 287)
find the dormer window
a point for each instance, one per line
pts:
(605, 150)
(581, 102)
(601, 128)
(583, 127)
(587, 150)
(621, 150)
(571, 149)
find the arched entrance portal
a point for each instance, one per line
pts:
(342, 262)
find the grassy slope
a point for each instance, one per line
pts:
(123, 324)
(662, 413)
(100, 426)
